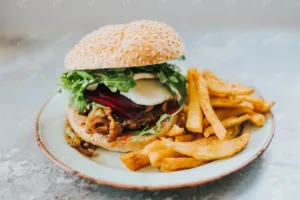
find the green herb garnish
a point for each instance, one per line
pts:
(157, 126)
(181, 57)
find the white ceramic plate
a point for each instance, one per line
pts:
(108, 169)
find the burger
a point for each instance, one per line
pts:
(122, 92)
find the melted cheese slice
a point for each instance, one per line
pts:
(148, 92)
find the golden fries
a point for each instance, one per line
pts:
(153, 146)
(257, 119)
(185, 138)
(266, 107)
(135, 160)
(173, 164)
(224, 113)
(259, 104)
(219, 88)
(255, 100)
(221, 149)
(195, 116)
(227, 123)
(208, 75)
(207, 140)
(157, 156)
(175, 130)
(236, 89)
(233, 132)
(168, 138)
(208, 128)
(227, 103)
(168, 124)
(206, 106)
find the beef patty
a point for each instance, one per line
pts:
(142, 120)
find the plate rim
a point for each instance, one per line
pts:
(143, 188)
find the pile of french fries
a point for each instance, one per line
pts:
(208, 127)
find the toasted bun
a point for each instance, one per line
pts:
(124, 143)
(138, 43)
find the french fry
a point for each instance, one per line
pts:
(153, 146)
(210, 75)
(216, 89)
(255, 100)
(175, 130)
(236, 89)
(134, 160)
(235, 100)
(221, 149)
(266, 107)
(219, 88)
(224, 113)
(233, 132)
(257, 119)
(227, 103)
(167, 125)
(213, 139)
(212, 95)
(168, 138)
(206, 106)
(184, 138)
(246, 105)
(195, 116)
(260, 105)
(157, 156)
(227, 123)
(173, 164)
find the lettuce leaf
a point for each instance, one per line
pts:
(77, 81)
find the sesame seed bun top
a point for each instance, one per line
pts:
(138, 43)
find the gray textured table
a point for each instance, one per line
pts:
(267, 59)
(255, 42)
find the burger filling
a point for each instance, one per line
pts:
(120, 100)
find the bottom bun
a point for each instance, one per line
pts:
(124, 143)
